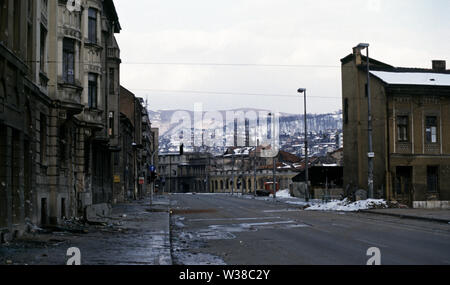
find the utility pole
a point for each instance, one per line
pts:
(272, 121)
(153, 181)
(242, 173)
(303, 90)
(254, 168)
(232, 174)
(274, 186)
(370, 154)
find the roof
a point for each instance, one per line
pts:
(413, 78)
(111, 9)
(373, 61)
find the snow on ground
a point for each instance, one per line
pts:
(284, 194)
(347, 206)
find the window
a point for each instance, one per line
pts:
(16, 25)
(92, 91)
(69, 61)
(63, 208)
(43, 43)
(29, 44)
(43, 137)
(346, 111)
(111, 80)
(92, 32)
(431, 135)
(111, 124)
(432, 179)
(402, 128)
(3, 19)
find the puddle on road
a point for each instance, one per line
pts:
(184, 242)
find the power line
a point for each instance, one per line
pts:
(202, 64)
(228, 93)
(234, 64)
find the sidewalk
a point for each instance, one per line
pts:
(438, 215)
(134, 234)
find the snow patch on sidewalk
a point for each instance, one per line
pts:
(348, 206)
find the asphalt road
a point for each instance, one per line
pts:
(221, 229)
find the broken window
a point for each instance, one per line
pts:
(431, 135)
(44, 211)
(402, 128)
(63, 208)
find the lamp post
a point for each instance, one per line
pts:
(303, 90)
(370, 154)
(274, 185)
(153, 182)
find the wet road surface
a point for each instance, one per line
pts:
(221, 229)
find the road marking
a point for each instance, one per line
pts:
(234, 219)
(281, 211)
(371, 243)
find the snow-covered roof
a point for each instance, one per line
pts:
(413, 78)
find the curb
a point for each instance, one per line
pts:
(166, 258)
(169, 260)
(403, 216)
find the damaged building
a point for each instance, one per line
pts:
(60, 119)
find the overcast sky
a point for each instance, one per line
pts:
(231, 54)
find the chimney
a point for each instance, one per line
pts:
(439, 65)
(357, 55)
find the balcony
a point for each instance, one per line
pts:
(113, 53)
(94, 119)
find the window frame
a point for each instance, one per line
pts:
(92, 25)
(403, 128)
(43, 47)
(431, 126)
(69, 60)
(93, 90)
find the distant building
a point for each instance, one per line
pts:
(238, 168)
(411, 133)
(183, 173)
(131, 172)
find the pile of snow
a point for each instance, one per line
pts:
(347, 206)
(283, 194)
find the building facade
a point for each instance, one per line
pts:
(25, 109)
(132, 170)
(410, 113)
(62, 134)
(184, 173)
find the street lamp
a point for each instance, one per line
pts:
(370, 154)
(274, 158)
(303, 90)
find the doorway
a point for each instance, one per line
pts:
(403, 185)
